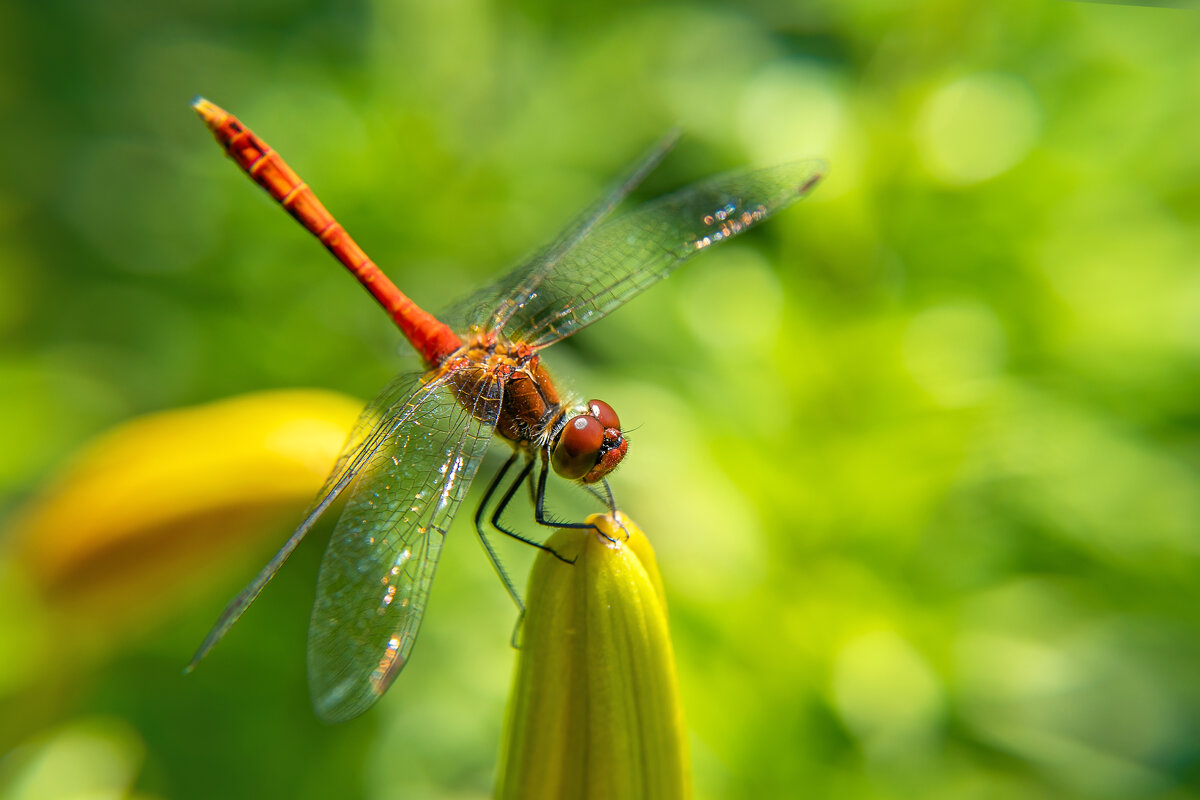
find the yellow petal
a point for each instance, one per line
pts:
(595, 710)
(167, 496)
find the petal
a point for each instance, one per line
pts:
(171, 495)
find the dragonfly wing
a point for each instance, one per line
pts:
(376, 574)
(622, 257)
(373, 427)
(491, 306)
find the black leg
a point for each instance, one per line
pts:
(502, 506)
(606, 497)
(509, 586)
(611, 502)
(539, 505)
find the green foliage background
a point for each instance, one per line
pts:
(919, 457)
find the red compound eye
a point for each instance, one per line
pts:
(578, 446)
(603, 412)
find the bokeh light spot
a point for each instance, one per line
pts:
(977, 127)
(798, 110)
(887, 694)
(791, 110)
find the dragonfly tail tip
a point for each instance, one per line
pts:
(210, 112)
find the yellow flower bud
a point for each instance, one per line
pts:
(595, 711)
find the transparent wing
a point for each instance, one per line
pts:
(491, 306)
(375, 576)
(373, 427)
(620, 258)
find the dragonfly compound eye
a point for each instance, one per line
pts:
(578, 446)
(590, 445)
(603, 412)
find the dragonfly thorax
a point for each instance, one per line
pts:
(487, 370)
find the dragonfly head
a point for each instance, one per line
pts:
(590, 445)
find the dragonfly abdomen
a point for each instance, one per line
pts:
(432, 339)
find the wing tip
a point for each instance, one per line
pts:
(820, 168)
(341, 703)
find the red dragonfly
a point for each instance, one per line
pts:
(412, 455)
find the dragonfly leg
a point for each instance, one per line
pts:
(492, 555)
(606, 497)
(539, 505)
(502, 506)
(611, 501)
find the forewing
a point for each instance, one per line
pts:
(622, 257)
(491, 306)
(376, 574)
(374, 425)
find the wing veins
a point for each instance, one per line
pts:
(376, 576)
(348, 470)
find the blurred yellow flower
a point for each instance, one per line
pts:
(163, 498)
(595, 711)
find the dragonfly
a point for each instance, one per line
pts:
(409, 460)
